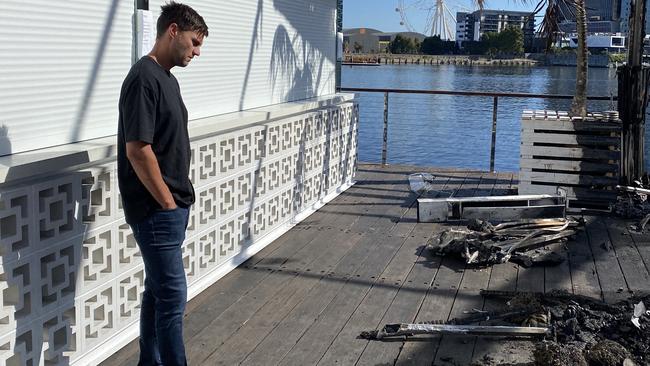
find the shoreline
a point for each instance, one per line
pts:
(461, 60)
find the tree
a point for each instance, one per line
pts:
(436, 46)
(550, 30)
(579, 103)
(475, 47)
(490, 42)
(403, 45)
(511, 40)
(416, 45)
(357, 47)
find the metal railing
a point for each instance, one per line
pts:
(495, 107)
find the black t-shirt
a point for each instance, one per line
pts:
(151, 110)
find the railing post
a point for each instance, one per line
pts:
(384, 148)
(493, 146)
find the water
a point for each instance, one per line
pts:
(455, 131)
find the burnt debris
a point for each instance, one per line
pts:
(522, 242)
(569, 329)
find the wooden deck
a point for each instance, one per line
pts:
(358, 263)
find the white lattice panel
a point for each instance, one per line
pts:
(98, 258)
(56, 275)
(98, 316)
(190, 262)
(98, 198)
(236, 151)
(235, 194)
(208, 251)
(18, 348)
(60, 339)
(18, 295)
(17, 227)
(128, 254)
(129, 295)
(232, 235)
(71, 277)
(207, 205)
(58, 209)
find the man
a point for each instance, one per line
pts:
(153, 167)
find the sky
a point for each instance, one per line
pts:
(381, 14)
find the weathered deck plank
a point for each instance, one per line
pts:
(322, 286)
(629, 258)
(440, 299)
(315, 341)
(503, 277)
(347, 348)
(454, 349)
(316, 258)
(584, 277)
(612, 281)
(409, 297)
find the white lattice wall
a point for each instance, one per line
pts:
(71, 275)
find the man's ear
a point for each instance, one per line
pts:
(173, 30)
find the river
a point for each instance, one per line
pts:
(455, 131)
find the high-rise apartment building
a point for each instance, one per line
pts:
(472, 26)
(597, 10)
(603, 16)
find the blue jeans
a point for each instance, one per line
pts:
(160, 237)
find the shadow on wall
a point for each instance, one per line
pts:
(255, 37)
(75, 133)
(43, 241)
(43, 238)
(5, 142)
(62, 249)
(294, 56)
(302, 56)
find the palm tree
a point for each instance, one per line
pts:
(550, 30)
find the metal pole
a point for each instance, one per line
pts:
(384, 149)
(339, 28)
(493, 146)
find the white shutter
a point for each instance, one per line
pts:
(62, 63)
(61, 67)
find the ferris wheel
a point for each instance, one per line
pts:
(440, 21)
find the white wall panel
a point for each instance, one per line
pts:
(62, 63)
(61, 67)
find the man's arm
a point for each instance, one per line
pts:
(146, 167)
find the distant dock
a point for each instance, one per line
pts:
(361, 64)
(463, 60)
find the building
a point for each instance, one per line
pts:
(472, 26)
(603, 16)
(593, 26)
(598, 42)
(367, 40)
(361, 40)
(597, 10)
(461, 28)
(625, 16)
(271, 141)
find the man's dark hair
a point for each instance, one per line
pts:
(184, 16)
